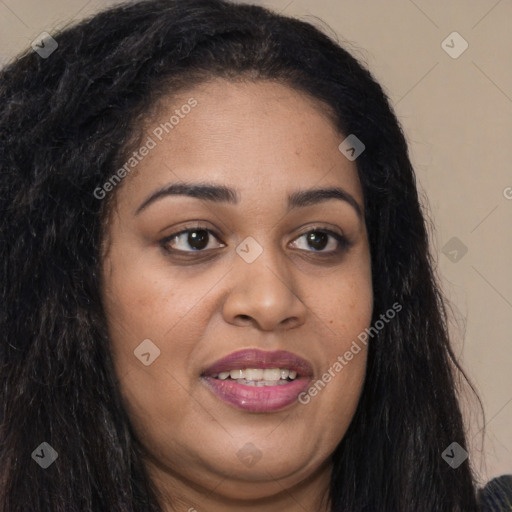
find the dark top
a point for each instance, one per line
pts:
(496, 496)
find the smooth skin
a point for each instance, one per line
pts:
(310, 296)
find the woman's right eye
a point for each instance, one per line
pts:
(197, 238)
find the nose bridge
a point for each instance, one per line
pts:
(263, 286)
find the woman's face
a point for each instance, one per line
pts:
(256, 271)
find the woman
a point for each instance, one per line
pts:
(302, 362)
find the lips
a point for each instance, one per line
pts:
(264, 399)
(254, 358)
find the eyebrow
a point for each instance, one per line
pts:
(222, 194)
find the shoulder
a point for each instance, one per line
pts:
(496, 496)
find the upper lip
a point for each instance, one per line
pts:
(254, 358)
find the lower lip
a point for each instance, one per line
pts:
(257, 399)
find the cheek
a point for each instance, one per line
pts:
(345, 304)
(155, 395)
(144, 300)
(156, 400)
(344, 308)
(343, 393)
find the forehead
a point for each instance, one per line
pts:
(260, 138)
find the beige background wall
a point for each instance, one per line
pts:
(457, 115)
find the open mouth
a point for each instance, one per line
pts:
(259, 381)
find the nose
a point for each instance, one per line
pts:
(264, 293)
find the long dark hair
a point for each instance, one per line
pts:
(66, 122)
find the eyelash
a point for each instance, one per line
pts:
(343, 243)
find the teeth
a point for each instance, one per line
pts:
(261, 383)
(236, 374)
(270, 374)
(267, 376)
(253, 374)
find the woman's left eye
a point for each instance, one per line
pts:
(198, 239)
(319, 239)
